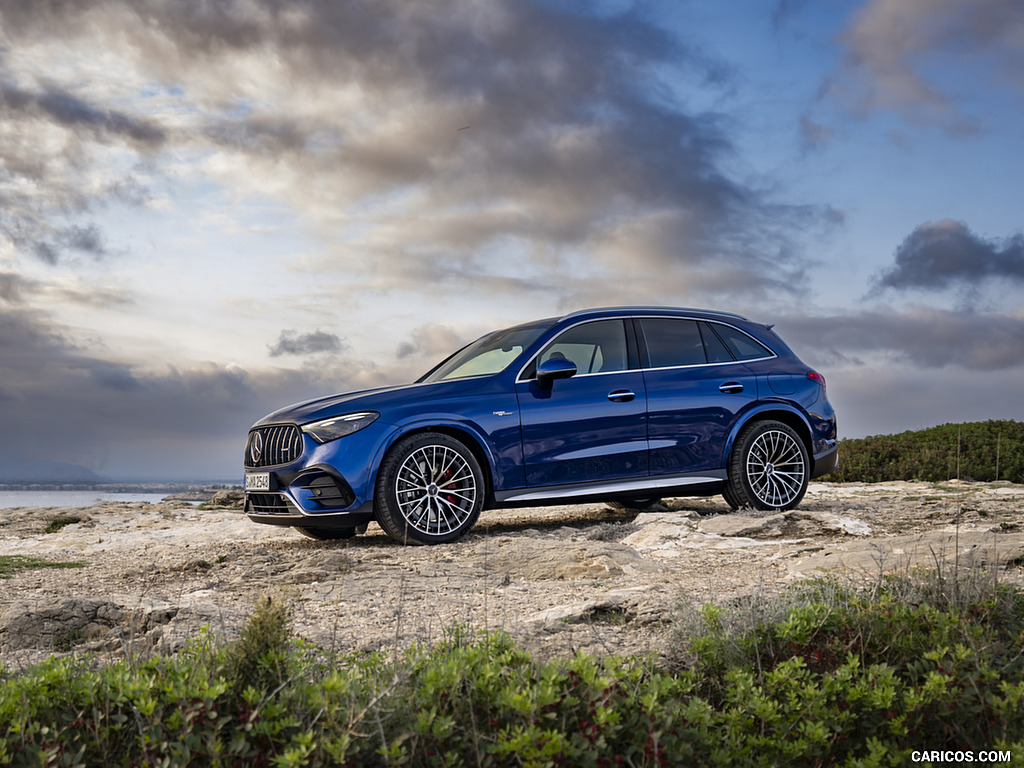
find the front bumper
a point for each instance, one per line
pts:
(282, 510)
(316, 496)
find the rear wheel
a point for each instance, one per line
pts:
(429, 490)
(769, 468)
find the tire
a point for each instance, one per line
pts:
(326, 534)
(430, 490)
(769, 468)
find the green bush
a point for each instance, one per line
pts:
(826, 675)
(983, 451)
(61, 521)
(10, 564)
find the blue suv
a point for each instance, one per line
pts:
(626, 404)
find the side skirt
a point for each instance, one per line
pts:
(659, 484)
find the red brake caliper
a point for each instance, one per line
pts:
(449, 497)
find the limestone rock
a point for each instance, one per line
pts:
(231, 499)
(552, 558)
(943, 548)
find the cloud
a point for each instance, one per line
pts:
(903, 55)
(64, 156)
(317, 342)
(923, 336)
(16, 288)
(433, 141)
(60, 107)
(61, 403)
(431, 340)
(946, 254)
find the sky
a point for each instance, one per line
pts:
(209, 210)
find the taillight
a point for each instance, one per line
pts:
(816, 377)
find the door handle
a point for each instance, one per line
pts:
(731, 388)
(621, 396)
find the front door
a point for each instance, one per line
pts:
(592, 426)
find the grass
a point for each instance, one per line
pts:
(10, 564)
(60, 522)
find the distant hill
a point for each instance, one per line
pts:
(32, 471)
(981, 450)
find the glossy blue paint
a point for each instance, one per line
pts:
(573, 432)
(689, 416)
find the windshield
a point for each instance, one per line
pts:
(488, 355)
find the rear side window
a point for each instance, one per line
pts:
(713, 346)
(672, 342)
(743, 347)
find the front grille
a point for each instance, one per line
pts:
(270, 446)
(268, 504)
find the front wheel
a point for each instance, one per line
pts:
(769, 468)
(429, 490)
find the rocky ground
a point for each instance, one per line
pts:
(559, 579)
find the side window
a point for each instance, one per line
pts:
(713, 346)
(598, 347)
(743, 347)
(672, 342)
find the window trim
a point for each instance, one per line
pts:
(633, 360)
(638, 358)
(645, 356)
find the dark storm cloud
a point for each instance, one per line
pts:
(71, 111)
(48, 145)
(927, 337)
(945, 254)
(316, 342)
(60, 402)
(521, 125)
(47, 243)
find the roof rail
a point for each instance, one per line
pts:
(712, 312)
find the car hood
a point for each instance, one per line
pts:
(368, 400)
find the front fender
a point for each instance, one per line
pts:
(470, 431)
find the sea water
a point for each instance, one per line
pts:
(70, 499)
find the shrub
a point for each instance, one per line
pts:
(260, 658)
(827, 675)
(982, 451)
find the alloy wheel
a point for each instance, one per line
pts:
(776, 468)
(436, 490)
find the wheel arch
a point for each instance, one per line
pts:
(788, 415)
(463, 435)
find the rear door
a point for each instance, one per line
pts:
(590, 427)
(696, 388)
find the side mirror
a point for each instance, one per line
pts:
(555, 368)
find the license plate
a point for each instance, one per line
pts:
(257, 481)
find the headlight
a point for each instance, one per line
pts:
(339, 426)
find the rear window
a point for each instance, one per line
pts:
(742, 346)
